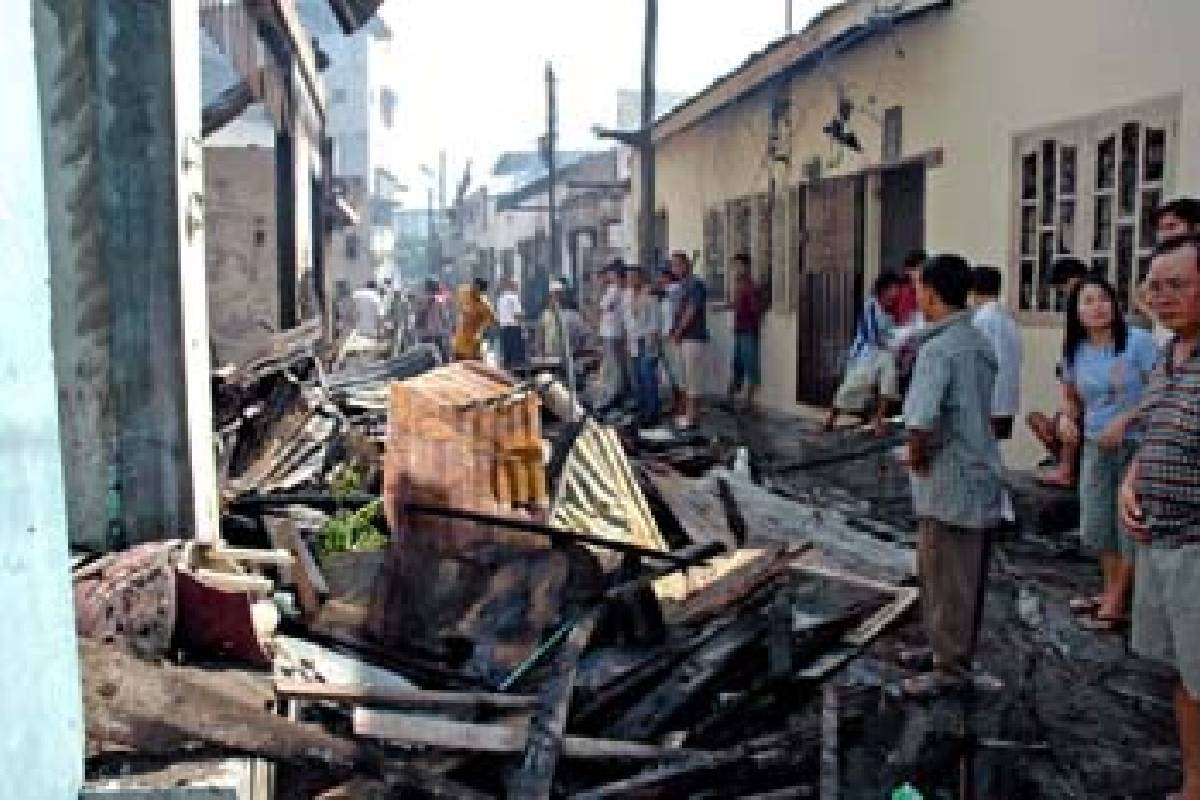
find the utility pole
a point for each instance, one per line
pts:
(442, 182)
(787, 16)
(552, 175)
(646, 223)
(434, 272)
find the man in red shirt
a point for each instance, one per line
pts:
(747, 317)
(906, 303)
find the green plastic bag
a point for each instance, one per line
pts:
(906, 792)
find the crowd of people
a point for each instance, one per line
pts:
(655, 340)
(648, 329)
(1126, 437)
(935, 345)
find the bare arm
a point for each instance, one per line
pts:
(685, 319)
(1130, 507)
(919, 448)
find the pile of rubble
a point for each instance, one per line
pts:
(439, 581)
(549, 605)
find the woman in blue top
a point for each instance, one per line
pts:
(1106, 366)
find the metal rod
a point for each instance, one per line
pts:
(549, 531)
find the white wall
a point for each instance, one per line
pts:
(41, 739)
(970, 80)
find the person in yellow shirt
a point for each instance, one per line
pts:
(475, 315)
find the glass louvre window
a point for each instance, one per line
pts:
(1089, 188)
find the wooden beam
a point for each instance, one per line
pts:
(692, 676)
(535, 778)
(493, 737)
(310, 583)
(250, 555)
(365, 694)
(225, 108)
(285, 12)
(230, 582)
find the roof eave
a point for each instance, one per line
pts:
(793, 56)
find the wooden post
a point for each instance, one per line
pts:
(646, 156)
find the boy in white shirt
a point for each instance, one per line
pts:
(508, 318)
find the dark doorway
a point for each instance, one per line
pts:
(831, 286)
(902, 214)
(285, 227)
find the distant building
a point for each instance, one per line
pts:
(363, 106)
(240, 253)
(500, 234)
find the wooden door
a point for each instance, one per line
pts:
(831, 287)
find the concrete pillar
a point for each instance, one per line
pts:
(41, 738)
(121, 104)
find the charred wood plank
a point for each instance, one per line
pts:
(691, 677)
(536, 774)
(493, 737)
(362, 694)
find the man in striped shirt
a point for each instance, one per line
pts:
(1160, 497)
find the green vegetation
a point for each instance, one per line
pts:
(352, 530)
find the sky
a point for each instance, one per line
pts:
(472, 72)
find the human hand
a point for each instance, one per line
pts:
(1130, 509)
(1068, 429)
(916, 457)
(1112, 435)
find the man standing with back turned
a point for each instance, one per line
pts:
(956, 476)
(1160, 497)
(691, 334)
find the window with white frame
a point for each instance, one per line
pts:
(1089, 189)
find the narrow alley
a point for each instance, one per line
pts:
(644, 399)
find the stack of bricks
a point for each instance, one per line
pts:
(461, 437)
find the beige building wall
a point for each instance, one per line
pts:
(240, 246)
(970, 79)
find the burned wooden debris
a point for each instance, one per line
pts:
(547, 607)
